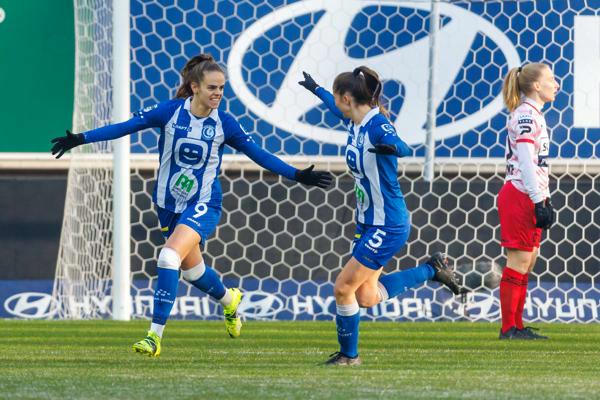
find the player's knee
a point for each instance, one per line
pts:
(169, 259)
(341, 290)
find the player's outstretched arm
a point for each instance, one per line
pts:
(62, 144)
(309, 84)
(237, 138)
(387, 142)
(150, 117)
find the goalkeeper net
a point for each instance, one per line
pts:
(285, 245)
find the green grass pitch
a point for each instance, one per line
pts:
(279, 360)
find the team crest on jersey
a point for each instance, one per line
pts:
(208, 132)
(360, 139)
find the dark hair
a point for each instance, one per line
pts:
(194, 71)
(364, 86)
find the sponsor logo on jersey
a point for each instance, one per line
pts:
(292, 102)
(183, 186)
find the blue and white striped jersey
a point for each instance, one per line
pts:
(379, 199)
(190, 152)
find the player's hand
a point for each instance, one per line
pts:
(309, 177)
(544, 215)
(382, 148)
(309, 83)
(63, 144)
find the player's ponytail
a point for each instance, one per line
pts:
(519, 81)
(193, 71)
(363, 85)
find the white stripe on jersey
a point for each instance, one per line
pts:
(210, 173)
(372, 173)
(162, 181)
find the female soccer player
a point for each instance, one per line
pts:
(382, 219)
(524, 200)
(187, 193)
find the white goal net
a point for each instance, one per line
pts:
(283, 244)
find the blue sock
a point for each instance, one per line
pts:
(347, 328)
(206, 279)
(399, 282)
(165, 294)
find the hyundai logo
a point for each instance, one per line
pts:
(260, 305)
(324, 56)
(32, 305)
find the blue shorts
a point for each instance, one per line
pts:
(374, 246)
(201, 218)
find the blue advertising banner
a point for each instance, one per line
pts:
(265, 46)
(314, 301)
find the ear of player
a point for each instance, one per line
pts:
(62, 144)
(309, 177)
(544, 214)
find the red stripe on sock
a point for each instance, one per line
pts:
(510, 295)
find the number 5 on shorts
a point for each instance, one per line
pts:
(377, 238)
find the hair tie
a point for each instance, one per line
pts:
(357, 72)
(520, 69)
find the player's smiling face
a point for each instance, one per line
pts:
(210, 91)
(546, 86)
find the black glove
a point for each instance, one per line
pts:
(552, 212)
(382, 148)
(63, 144)
(544, 214)
(309, 177)
(309, 83)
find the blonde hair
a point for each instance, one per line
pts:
(520, 80)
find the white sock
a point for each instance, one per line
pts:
(347, 309)
(226, 299)
(383, 294)
(157, 328)
(194, 273)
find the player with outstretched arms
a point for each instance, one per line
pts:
(382, 219)
(524, 201)
(187, 193)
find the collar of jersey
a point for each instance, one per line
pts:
(537, 106)
(188, 106)
(374, 111)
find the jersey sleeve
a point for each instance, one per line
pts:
(327, 98)
(386, 134)
(150, 117)
(236, 137)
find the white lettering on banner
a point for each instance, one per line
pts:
(142, 303)
(263, 305)
(586, 64)
(301, 307)
(543, 306)
(323, 54)
(591, 303)
(324, 302)
(565, 313)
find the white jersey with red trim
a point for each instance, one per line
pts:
(527, 150)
